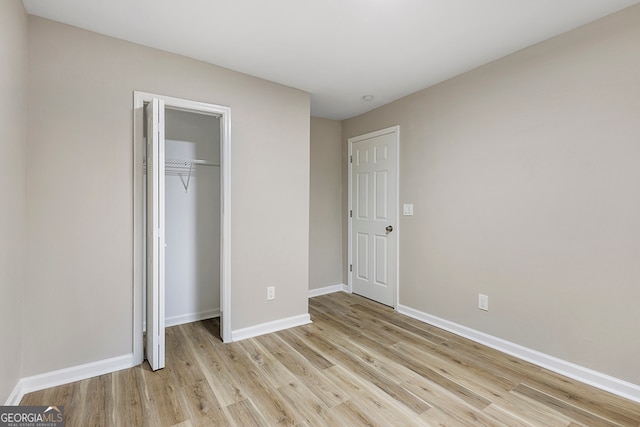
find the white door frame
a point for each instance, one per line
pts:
(396, 204)
(139, 262)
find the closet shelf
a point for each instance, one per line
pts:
(181, 166)
(184, 168)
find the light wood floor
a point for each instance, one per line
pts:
(359, 363)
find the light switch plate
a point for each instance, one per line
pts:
(407, 209)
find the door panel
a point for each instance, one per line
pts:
(381, 192)
(374, 202)
(381, 250)
(363, 256)
(155, 234)
(362, 209)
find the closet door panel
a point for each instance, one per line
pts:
(155, 345)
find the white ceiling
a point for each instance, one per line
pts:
(337, 50)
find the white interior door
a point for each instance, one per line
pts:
(374, 215)
(155, 234)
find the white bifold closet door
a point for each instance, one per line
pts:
(155, 345)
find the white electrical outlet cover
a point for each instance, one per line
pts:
(483, 302)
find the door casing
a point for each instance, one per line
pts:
(139, 235)
(394, 203)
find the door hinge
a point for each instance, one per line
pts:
(350, 214)
(350, 159)
(350, 267)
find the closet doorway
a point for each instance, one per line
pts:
(181, 219)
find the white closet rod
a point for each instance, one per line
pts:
(182, 166)
(185, 164)
(179, 167)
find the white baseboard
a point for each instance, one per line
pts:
(192, 317)
(68, 375)
(269, 327)
(327, 290)
(580, 373)
(16, 396)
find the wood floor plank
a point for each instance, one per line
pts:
(352, 415)
(127, 399)
(34, 398)
(486, 388)
(303, 370)
(245, 414)
(585, 397)
(72, 397)
(203, 406)
(527, 410)
(408, 324)
(267, 400)
(364, 368)
(312, 409)
(415, 339)
(437, 416)
(372, 399)
(270, 368)
(359, 363)
(447, 408)
(161, 400)
(220, 375)
(575, 413)
(414, 364)
(507, 416)
(359, 321)
(309, 353)
(180, 359)
(94, 410)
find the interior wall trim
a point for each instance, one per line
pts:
(580, 373)
(328, 290)
(269, 327)
(191, 317)
(68, 375)
(16, 395)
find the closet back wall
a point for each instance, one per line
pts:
(192, 208)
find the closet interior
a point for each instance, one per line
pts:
(192, 216)
(192, 191)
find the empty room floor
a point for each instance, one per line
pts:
(358, 363)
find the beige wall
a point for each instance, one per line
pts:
(13, 140)
(525, 179)
(325, 216)
(79, 187)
